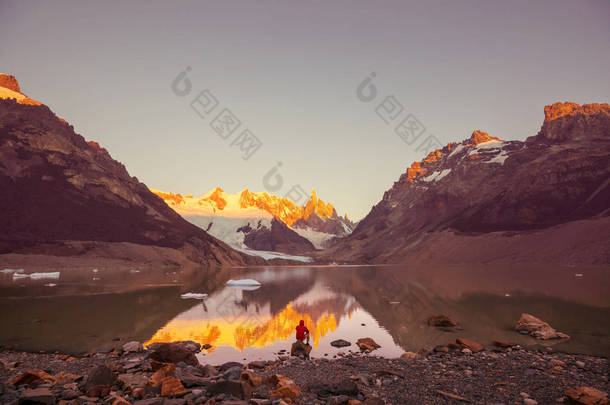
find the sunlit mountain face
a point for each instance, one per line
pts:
(246, 220)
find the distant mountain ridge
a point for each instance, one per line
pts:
(245, 219)
(459, 202)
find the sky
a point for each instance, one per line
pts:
(290, 72)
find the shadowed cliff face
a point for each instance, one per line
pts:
(484, 185)
(58, 187)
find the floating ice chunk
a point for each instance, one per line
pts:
(246, 282)
(9, 271)
(195, 296)
(134, 271)
(41, 276)
(50, 285)
(19, 276)
(96, 279)
(95, 270)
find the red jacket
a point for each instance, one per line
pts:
(301, 329)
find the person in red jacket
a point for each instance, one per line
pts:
(302, 332)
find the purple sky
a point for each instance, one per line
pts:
(289, 72)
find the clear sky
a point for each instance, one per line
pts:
(289, 70)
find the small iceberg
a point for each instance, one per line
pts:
(42, 276)
(95, 270)
(9, 271)
(50, 285)
(134, 271)
(17, 276)
(247, 282)
(194, 296)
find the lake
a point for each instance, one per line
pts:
(85, 310)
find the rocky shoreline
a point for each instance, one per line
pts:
(170, 374)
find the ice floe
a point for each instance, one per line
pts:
(194, 296)
(246, 282)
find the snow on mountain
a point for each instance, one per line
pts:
(246, 220)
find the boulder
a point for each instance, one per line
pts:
(238, 389)
(258, 364)
(587, 396)
(225, 366)
(157, 377)
(33, 377)
(441, 320)
(340, 343)
(209, 371)
(101, 375)
(39, 396)
(409, 355)
(133, 381)
(367, 344)
(120, 401)
(285, 388)
(342, 387)
(172, 387)
(300, 349)
(233, 373)
(175, 352)
(133, 346)
(475, 347)
(253, 379)
(538, 328)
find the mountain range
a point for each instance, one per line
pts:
(482, 200)
(262, 222)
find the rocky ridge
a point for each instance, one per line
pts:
(485, 185)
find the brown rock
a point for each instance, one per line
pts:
(251, 378)
(470, 344)
(286, 388)
(174, 352)
(33, 377)
(503, 344)
(441, 320)
(239, 389)
(367, 344)
(409, 355)
(257, 364)
(121, 401)
(300, 349)
(172, 387)
(40, 396)
(98, 391)
(157, 377)
(587, 396)
(538, 328)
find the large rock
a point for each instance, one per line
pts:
(342, 387)
(538, 328)
(587, 396)
(101, 375)
(133, 381)
(367, 344)
(441, 320)
(38, 396)
(299, 348)
(475, 347)
(133, 346)
(237, 389)
(33, 377)
(284, 387)
(340, 343)
(172, 387)
(175, 352)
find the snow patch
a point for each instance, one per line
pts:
(315, 237)
(457, 150)
(500, 158)
(9, 271)
(436, 176)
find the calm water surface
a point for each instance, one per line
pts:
(85, 310)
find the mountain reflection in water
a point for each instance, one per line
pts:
(389, 304)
